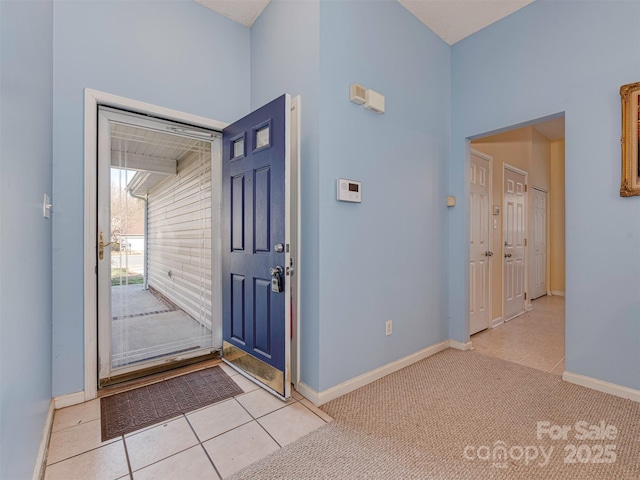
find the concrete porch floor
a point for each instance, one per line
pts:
(143, 327)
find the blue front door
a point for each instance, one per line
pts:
(255, 296)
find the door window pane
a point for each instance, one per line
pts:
(238, 147)
(262, 137)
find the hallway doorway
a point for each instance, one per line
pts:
(527, 212)
(525, 250)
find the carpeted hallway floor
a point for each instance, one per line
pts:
(446, 417)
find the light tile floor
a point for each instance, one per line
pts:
(534, 339)
(211, 443)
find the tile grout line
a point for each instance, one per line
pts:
(73, 426)
(126, 454)
(552, 368)
(261, 426)
(202, 445)
(115, 440)
(168, 456)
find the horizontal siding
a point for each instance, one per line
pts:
(179, 237)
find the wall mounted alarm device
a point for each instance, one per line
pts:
(349, 191)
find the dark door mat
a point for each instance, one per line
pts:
(126, 412)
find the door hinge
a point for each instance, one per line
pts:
(525, 242)
(526, 188)
(525, 295)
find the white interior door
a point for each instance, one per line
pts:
(539, 242)
(514, 228)
(479, 247)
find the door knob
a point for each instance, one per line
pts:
(102, 245)
(507, 255)
(488, 254)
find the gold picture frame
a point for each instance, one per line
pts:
(630, 96)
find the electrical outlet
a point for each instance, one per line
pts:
(389, 327)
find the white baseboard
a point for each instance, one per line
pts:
(497, 321)
(309, 393)
(460, 346)
(41, 459)
(559, 293)
(68, 400)
(602, 386)
(320, 398)
(514, 316)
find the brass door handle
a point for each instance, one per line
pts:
(102, 245)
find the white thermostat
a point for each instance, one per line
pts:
(349, 191)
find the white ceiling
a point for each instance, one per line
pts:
(551, 129)
(244, 12)
(451, 20)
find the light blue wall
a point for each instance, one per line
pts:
(387, 258)
(570, 57)
(318, 49)
(285, 58)
(26, 63)
(175, 54)
(384, 259)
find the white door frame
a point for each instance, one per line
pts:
(527, 302)
(489, 158)
(105, 117)
(296, 234)
(92, 99)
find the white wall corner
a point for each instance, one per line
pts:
(602, 386)
(68, 400)
(320, 398)
(461, 346)
(41, 459)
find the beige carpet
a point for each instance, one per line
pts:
(443, 418)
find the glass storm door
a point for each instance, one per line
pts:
(154, 261)
(256, 238)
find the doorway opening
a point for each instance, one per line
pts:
(525, 253)
(163, 295)
(155, 229)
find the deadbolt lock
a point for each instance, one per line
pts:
(276, 279)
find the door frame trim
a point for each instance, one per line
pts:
(93, 98)
(506, 166)
(489, 158)
(296, 234)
